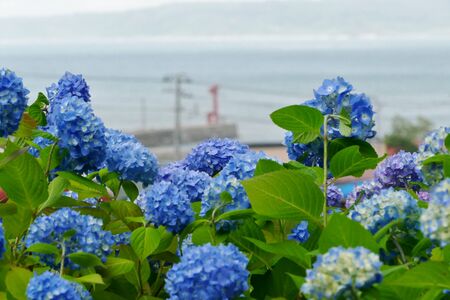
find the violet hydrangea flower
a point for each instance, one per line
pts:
(398, 171)
(300, 232)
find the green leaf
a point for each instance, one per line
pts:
(90, 278)
(23, 181)
(345, 124)
(236, 214)
(84, 187)
(116, 266)
(305, 137)
(285, 195)
(7, 209)
(26, 126)
(17, 281)
(298, 280)
(145, 241)
(85, 259)
(350, 162)
(339, 144)
(55, 190)
(123, 209)
(16, 224)
(341, 231)
(298, 119)
(130, 189)
(427, 275)
(44, 249)
(266, 166)
(289, 249)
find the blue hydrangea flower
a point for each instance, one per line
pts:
(43, 142)
(2, 240)
(80, 132)
(335, 196)
(89, 236)
(434, 143)
(166, 172)
(193, 183)
(13, 101)
(208, 273)
(379, 210)
(240, 167)
(335, 97)
(212, 155)
(164, 204)
(361, 192)
(50, 286)
(398, 171)
(309, 154)
(435, 220)
(300, 233)
(128, 157)
(69, 85)
(335, 273)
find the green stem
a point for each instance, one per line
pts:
(63, 254)
(400, 249)
(325, 169)
(49, 162)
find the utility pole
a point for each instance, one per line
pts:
(178, 80)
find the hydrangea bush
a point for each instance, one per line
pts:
(86, 211)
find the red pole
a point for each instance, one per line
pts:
(213, 116)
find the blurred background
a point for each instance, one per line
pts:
(195, 68)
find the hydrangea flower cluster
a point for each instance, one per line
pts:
(2, 240)
(69, 85)
(128, 157)
(89, 236)
(193, 183)
(240, 167)
(300, 233)
(361, 192)
(212, 155)
(13, 101)
(434, 143)
(335, 196)
(50, 286)
(309, 154)
(435, 220)
(166, 172)
(335, 97)
(337, 271)
(208, 272)
(80, 132)
(164, 204)
(389, 205)
(43, 142)
(398, 171)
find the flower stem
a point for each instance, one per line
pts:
(325, 169)
(63, 254)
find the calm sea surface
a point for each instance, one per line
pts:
(128, 91)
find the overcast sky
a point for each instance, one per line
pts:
(15, 8)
